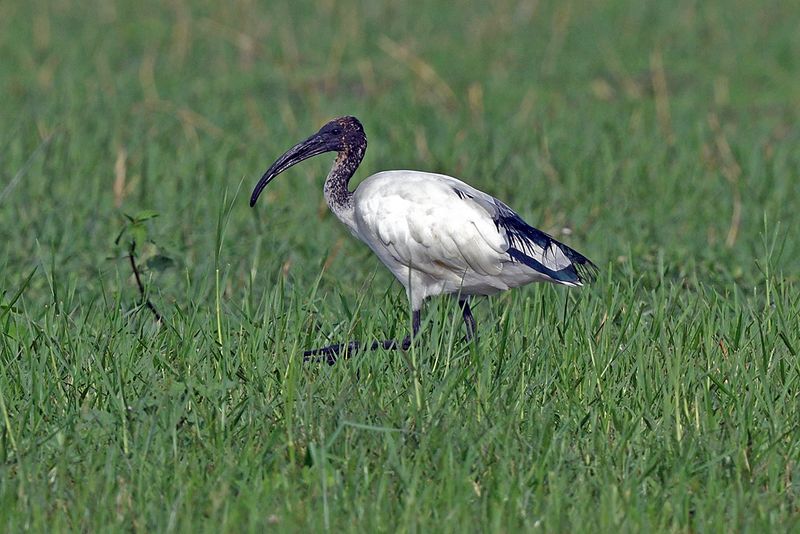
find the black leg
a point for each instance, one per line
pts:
(331, 353)
(415, 321)
(469, 320)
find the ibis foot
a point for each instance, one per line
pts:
(331, 353)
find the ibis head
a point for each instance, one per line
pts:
(339, 135)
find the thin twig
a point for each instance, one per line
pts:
(135, 269)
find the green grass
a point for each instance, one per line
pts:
(663, 135)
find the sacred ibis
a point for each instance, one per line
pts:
(436, 234)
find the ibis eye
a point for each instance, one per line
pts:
(336, 131)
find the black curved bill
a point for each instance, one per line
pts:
(313, 146)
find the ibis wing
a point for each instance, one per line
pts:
(536, 249)
(433, 222)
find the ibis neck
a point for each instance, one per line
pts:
(337, 192)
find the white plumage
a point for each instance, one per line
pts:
(439, 235)
(436, 234)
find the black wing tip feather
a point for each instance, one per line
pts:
(586, 271)
(581, 271)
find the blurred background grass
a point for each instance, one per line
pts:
(658, 138)
(642, 126)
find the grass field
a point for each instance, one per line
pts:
(661, 139)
